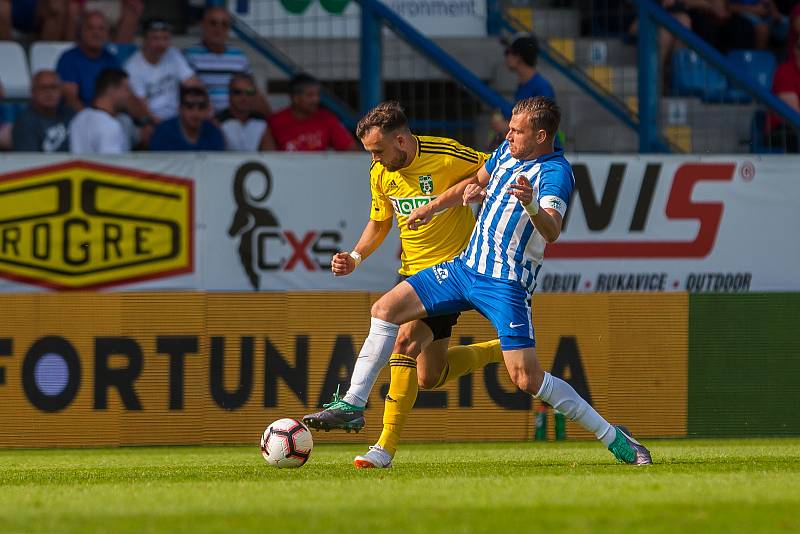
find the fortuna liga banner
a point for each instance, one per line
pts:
(234, 222)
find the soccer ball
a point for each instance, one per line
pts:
(286, 443)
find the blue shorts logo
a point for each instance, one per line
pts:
(440, 273)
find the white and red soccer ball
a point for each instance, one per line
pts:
(286, 443)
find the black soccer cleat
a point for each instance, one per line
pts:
(337, 414)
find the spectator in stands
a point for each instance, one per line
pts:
(100, 129)
(764, 18)
(215, 61)
(44, 125)
(245, 129)
(191, 129)
(786, 86)
(53, 20)
(521, 57)
(304, 125)
(123, 15)
(79, 66)
(156, 74)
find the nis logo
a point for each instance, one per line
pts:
(633, 214)
(264, 245)
(81, 225)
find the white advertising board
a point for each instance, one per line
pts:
(312, 19)
(237, 222)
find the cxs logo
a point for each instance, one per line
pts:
(677, 205)
(264, 246)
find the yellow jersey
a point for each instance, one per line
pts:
(438, 164)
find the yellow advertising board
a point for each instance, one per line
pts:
(81, 225)
(79, 369)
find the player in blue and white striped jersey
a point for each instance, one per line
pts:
(524, 188)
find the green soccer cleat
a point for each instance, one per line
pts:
(627, 450)
(337, 414)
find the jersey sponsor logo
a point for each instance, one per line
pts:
(426, 184)
(404, 206)
(264, 245)
(82, 225)
(624, 203)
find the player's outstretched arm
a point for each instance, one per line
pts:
(547, 220)
(452, 197)
(344, 263)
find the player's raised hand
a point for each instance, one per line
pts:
(474, 194)
(420, 216)
(522, 189)
(342, 264)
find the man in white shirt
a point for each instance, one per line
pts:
(97, 129)
(156, 73)
(244, 128)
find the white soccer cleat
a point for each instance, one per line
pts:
(376, 458)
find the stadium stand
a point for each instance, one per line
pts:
(45, 54)
(14, 72)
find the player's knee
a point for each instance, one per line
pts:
(383, 311)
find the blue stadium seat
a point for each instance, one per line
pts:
(758, 64)
(691, 76)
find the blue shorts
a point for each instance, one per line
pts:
(453, 287)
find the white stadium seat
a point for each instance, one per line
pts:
(45, 54)
(14, 73)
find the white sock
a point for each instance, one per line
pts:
(373, 357)
(566, 400)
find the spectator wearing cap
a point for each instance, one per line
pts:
(306, 127)
(521, 57)
(44, 125)
(245, 129)
(156, 73)
(215, 61)
(191, 129)
(79, 66)
(101, 129)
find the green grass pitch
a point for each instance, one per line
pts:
(696, 486)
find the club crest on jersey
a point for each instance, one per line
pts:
(426, 184)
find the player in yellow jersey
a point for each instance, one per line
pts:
(409, 175)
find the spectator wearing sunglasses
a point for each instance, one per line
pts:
(191, 129)
(215, 61)
(156, 74)
(245, 129)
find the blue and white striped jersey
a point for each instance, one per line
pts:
(505, 243)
